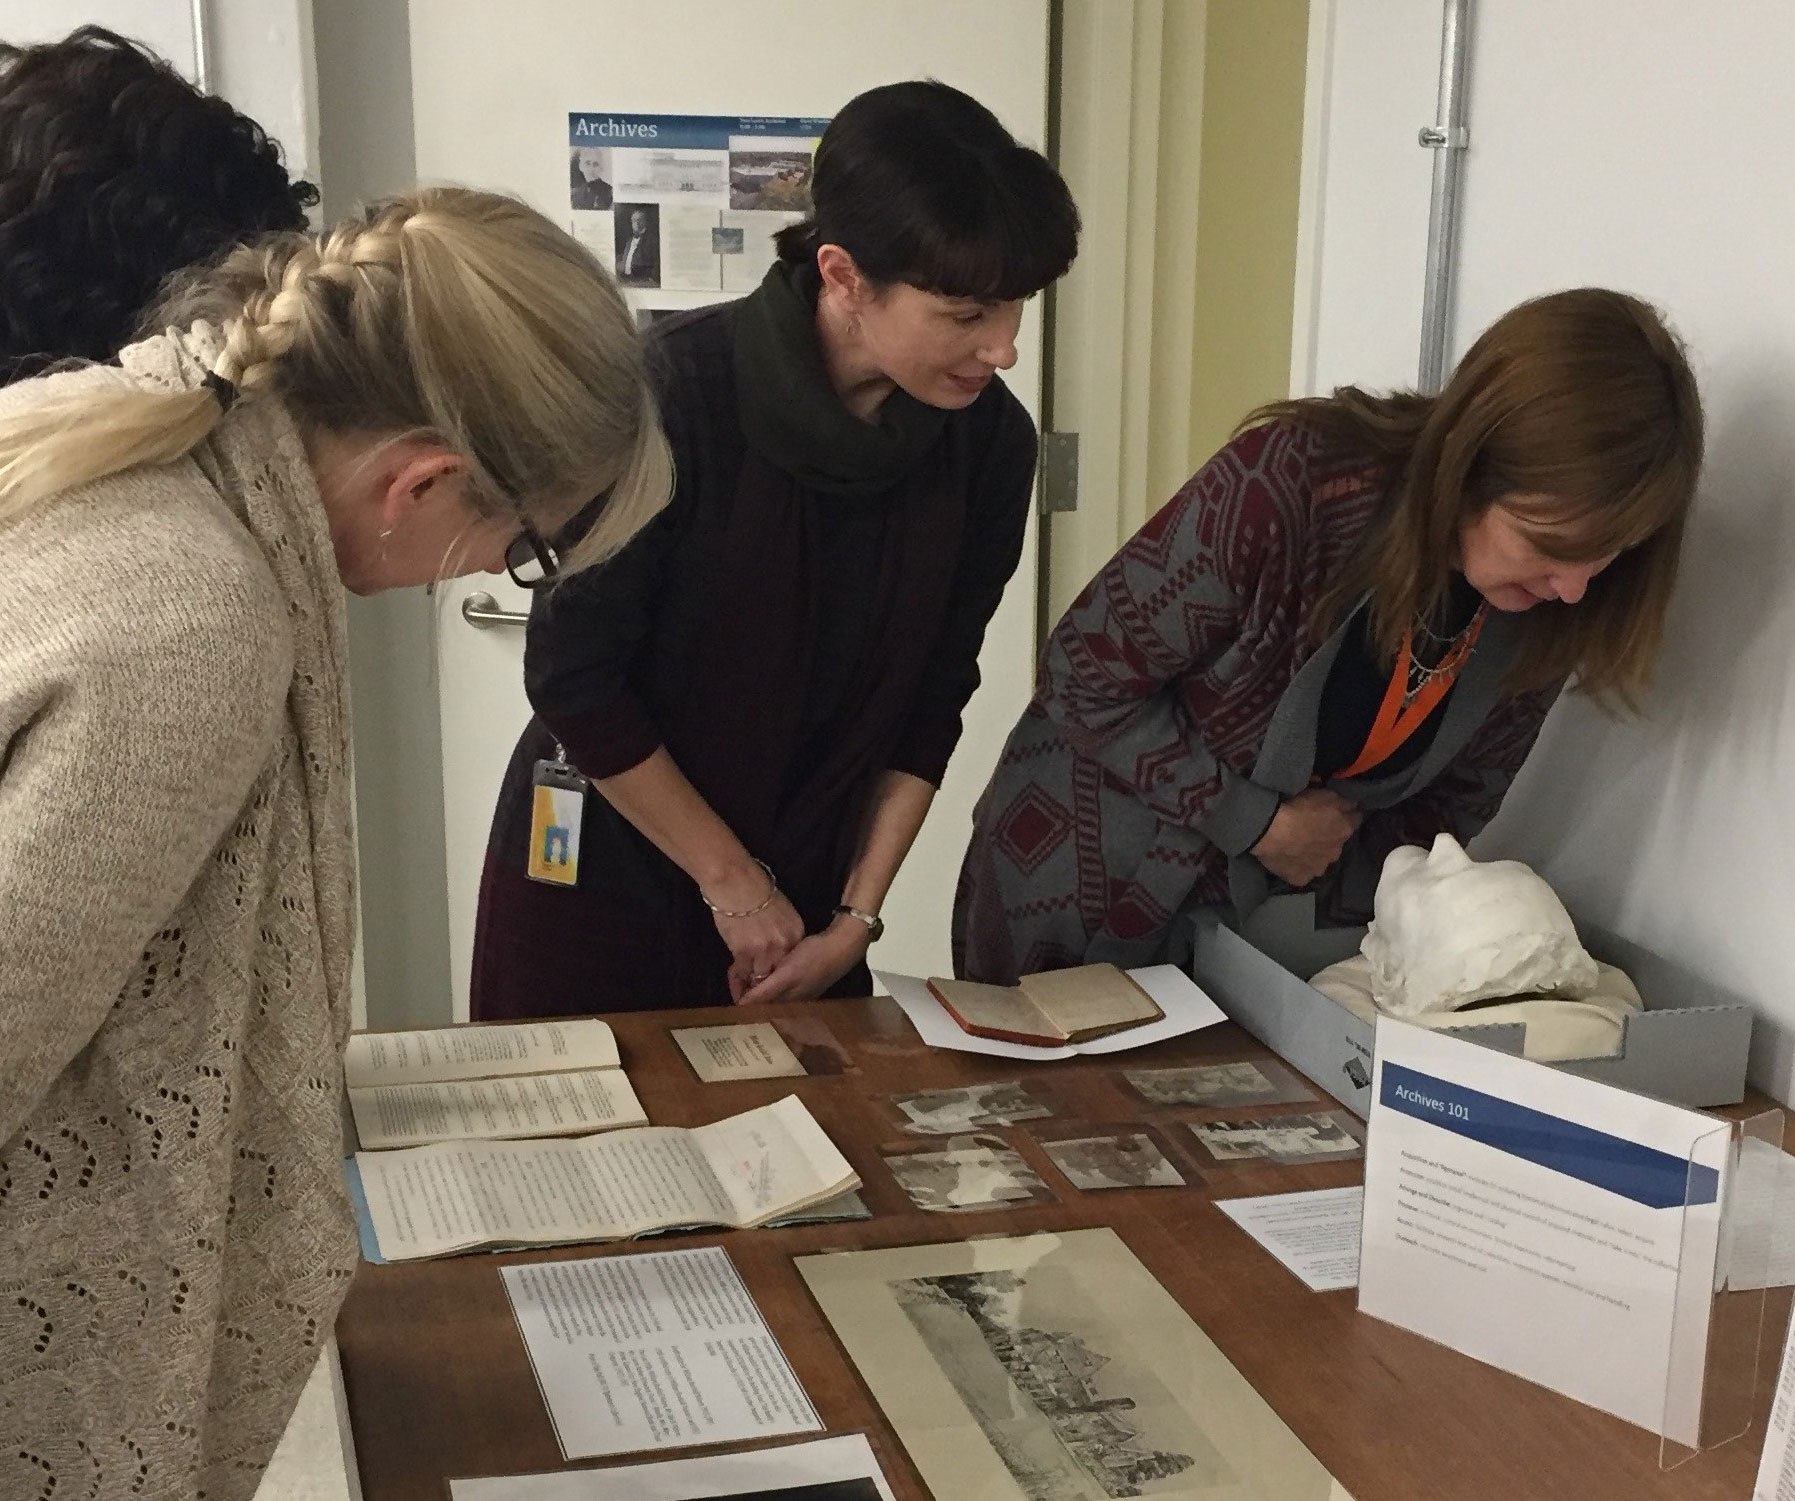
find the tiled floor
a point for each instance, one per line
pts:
(309, 1464)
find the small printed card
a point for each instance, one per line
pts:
(750, 1050)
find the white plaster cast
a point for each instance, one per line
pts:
(1450, 931)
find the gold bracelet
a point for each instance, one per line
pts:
(753, 911)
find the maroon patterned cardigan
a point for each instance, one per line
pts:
(1175, 707)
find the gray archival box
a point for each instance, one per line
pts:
(1689, 1045)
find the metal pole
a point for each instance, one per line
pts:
(202, 48)
(1447, 138)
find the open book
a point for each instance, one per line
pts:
(1051, 1009)
(751, 1169)
(487, 1083)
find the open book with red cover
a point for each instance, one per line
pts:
(1050, 1009)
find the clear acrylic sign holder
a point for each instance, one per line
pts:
(1717, 1338)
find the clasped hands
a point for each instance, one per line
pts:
(1307, 835)
(772, 958)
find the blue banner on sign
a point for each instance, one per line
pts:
(1659, 1180)
(684, 132)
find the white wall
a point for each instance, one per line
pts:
(1637, 146)
(260, 53)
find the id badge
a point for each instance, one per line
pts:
(557, 805)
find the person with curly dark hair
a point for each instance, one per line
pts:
(115, 172)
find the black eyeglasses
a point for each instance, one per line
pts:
(531, 559)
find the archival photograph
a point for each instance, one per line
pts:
(591, 177)
(1325, 1136)
(941, 1112)
(1124, 1159)
(770, 180)
(1217, 1085)
(968, 1172)
(1054, 1368)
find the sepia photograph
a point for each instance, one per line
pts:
(1325, 1136)
(1119, 1159)
(967, 1172)
(1218, 1085)
(940, 1112)
(1054, 1367)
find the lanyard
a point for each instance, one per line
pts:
(1399, 716)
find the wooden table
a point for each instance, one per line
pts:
(439, 1385)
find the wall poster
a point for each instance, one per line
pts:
(1054, 1368)
(685, 207)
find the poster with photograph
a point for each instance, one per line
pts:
(967, 1173)
(1286, 1140)
(1218, 1086)
(1054, 1368)
(687, 204)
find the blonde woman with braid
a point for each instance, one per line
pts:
(429, 390)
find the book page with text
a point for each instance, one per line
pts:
(430, 1201)
(774, 1160)
(431, 1056)
(570, 1104)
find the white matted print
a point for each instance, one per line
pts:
(1054, 1368)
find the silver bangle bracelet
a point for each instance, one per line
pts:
(752, 911)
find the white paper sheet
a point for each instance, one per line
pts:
(656, 1351)
(752, 1472)
(1536, 1221)
(1315, 1235)
(1758, 1234)
(1186, 1007)
(1776, 1467)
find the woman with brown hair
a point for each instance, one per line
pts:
(1342, 635)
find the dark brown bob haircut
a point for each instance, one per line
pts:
(1579, 412)
(922, 184)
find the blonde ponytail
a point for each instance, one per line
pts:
(63, 442)
(460, 316)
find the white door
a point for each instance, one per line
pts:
(492, 89)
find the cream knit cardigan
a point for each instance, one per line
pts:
(175, 932)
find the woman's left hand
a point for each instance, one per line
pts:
(814, 964)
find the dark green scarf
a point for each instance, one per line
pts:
(790, 413)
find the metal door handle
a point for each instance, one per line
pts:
(482, 612)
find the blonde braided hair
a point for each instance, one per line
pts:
(460, 316)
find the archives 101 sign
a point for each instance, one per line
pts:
(684, 204)
(1561, 1229)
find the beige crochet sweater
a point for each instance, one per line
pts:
(175, 931)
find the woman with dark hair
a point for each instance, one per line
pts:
(115, 172)
(763, 690)
(1342, 635)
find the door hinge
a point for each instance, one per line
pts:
(1059, 472)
